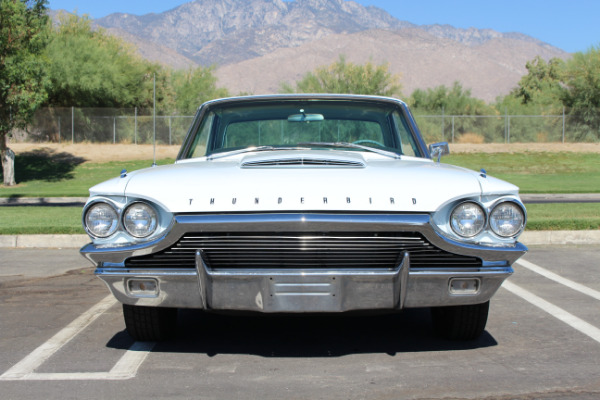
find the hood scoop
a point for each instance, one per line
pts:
(303, 162)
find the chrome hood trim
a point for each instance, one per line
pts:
(302, 162)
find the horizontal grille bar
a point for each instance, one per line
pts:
(320, 251)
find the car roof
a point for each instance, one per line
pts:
(304, 96)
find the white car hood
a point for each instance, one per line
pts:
(382, 185)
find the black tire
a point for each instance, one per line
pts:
(150, 324)
(460, 322)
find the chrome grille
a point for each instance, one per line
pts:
(306, 250)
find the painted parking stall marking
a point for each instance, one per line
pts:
(125, 368)
(557, 312)
(559, 279)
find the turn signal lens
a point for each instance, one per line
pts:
(101, 220)
(507, 219)
(142, 287)
(467, 219)
(140, 220)
(464, 285)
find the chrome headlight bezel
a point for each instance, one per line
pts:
(108, 207)
(133, 228)
(441, 220)
(516, 206)
(162, 220)
(479, 217)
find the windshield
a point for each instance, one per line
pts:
(325, 124)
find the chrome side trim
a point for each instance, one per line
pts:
(302, 222)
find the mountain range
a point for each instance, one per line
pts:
(255, 45)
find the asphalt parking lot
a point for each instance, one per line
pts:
(62, 337)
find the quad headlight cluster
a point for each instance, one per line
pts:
(138, 219)
(505, 219)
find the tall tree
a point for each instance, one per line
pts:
(24, 30)
(573, 84)
(346, 77)
(581, 93)
(90, 68)
(454, 100)
(194, 86)
(542, 84)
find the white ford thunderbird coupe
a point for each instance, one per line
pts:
(304, 204)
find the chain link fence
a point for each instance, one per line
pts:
(138, 126)
(105, 125)
(559, 128)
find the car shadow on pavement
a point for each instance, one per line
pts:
(308, 335)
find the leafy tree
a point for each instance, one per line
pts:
(537, 93)
(581, 93)
(454, 100)
(23, 36)
(192, 87)
(549, 86)
(542, 84)
(346, 77)
(89, 68)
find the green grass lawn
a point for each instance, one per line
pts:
(24, 220)
(560, 216)
(46, 180)
(538, 172)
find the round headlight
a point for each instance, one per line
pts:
(101, 220)
(467, 219)
(140, 220)
(507, 219)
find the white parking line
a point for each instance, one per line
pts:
(555, 311)
(125, 368)
(559, 279)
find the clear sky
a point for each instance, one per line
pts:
(571, 25)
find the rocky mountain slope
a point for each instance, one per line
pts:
(226, 31)
(419, 59)
(257, 44)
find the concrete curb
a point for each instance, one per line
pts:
(44, 241)
(532, 238)
(529, 238)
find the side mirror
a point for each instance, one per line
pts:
(437, 150)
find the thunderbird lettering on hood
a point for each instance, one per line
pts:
(383, 185)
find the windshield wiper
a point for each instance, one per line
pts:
(352, 146)
(304, 146)
(250, 150)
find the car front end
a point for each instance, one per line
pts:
(247, 220)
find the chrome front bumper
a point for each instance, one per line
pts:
(301, 290)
